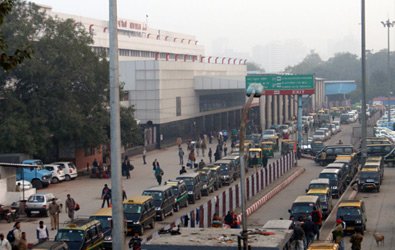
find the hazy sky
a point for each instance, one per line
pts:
(325, 26)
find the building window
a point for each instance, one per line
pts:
(178, 106)
(220, 101)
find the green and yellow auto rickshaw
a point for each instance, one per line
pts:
(267, 148)
(255, 156)
(288, 146)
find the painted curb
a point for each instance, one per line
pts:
(258, 204)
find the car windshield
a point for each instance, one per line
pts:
(224, 170)
(188, 181)
(328, 176)
(284, 127)
(71, 165)
(299, 208)
(36, 198)
(268, 132)
(204, 177)
(348, 211)
(155, 195)
(319, 132)
(132, 208)
(317, 185)
(69, 235)
(367, 175)
(105, 221)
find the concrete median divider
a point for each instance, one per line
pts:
(230, 198)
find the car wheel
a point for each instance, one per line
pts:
(55, 180)
(37, 184)
(67, 177)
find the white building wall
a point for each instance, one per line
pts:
(154, 85)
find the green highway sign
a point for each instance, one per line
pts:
(281, 84)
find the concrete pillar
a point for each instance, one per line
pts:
(269, 120)
(281, 109)
(275, 109)
(262, 111)
(286, 108)
(291, 106)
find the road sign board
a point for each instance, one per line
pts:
(281, 84)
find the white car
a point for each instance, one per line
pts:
(337, 126)
(268, 134)
(70, 170)
(319, 135)
(327, 132)
(25, 185)
(57, 172)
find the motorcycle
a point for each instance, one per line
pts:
(7, 213)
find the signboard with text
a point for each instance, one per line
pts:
(281, 84)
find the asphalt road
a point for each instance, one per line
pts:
(379, 206)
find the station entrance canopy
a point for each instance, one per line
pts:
(273, 84)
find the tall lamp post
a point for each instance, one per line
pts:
(363, 86)
(118, 238)
(251, 93)
(388, 24)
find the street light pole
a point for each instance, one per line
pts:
(363, 87)
(388, 24)
(244, 117)
(118, 233)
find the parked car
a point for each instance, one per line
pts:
(180, 191)
(327, 131)
(319, 135)
(38, 204)
(70, 170)
(24, 184)
(164, 200)
(337, 126)
(57, 172)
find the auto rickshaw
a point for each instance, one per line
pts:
(255, 156)
(288, 146)
(267, 148)
(274, 140)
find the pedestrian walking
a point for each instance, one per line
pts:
(70, 206)
(155, 164)
(210, 155)
(124, 196)
(225, 149)
(106, 195)
(181, 155)
(4, 243)
(23, 242)
(192, 158)
(298, 237)
(135, 242)
(197, 146)
(216, 155)
(203, 146)
(126, 168)
(356, 239)
(316, 216)
(309, 230)
(144, 155)
(15, 235)
(337, 234)
(158, 175)
(54, 211)
(42, 232)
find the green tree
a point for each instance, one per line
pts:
(10, 58)
(130, 135)
(61, 93)
(252, 66)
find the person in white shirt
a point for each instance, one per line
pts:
(4, 243)
(42, 232)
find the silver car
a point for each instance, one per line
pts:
(38, 204)
(319, 135)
